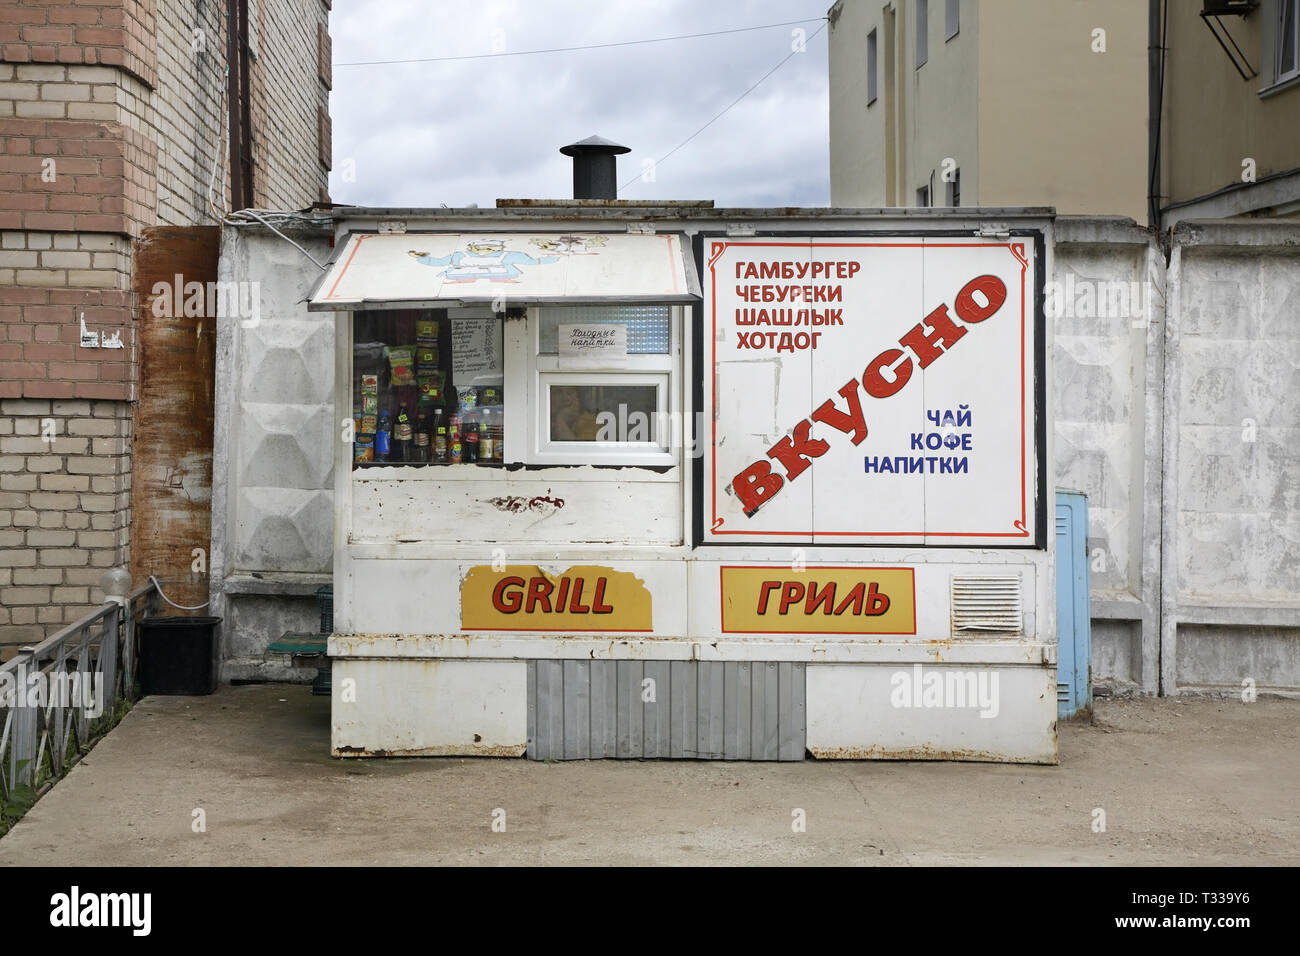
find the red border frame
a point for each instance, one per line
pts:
(722, 602)
(719, 247)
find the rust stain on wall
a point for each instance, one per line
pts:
(171, 489)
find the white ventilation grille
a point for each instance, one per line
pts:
(987, 603)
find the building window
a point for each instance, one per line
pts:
(619, 407)
(923, 196)
(1288, 40)
(871, 67)
(954, 188)
(951, 19)
(922, 32)
(563, 385)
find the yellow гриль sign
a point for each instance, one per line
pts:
(818, 600)
(526, 598)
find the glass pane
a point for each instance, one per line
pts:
(624, 413)
(426, 389)
(647, 325)
(1286, 59)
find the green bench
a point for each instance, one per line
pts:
(307, 648)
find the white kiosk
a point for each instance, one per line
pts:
(759, 484)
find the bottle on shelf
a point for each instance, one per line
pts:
(422, 438)
(383, 439)
(403, 434)
(441, 445)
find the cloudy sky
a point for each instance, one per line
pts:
(465, 131)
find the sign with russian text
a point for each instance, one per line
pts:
(592, 345)
(584, 598)
(818, 600)
(871, 390)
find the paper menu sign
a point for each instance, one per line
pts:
(592, 346)
(476, 351)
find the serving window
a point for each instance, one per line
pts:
(428, 388)
(561, 385)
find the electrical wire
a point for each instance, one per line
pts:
(180, 607)
(573, 49)
(756, 85)
(265, 222)
(219, 214)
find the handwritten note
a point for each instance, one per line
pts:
(476, 351)
(592, 346)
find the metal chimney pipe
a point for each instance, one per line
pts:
(595, 169)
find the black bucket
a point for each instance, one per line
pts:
(178, 655)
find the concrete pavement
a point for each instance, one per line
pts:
(1181, 781)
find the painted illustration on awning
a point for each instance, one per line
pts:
(395, 270)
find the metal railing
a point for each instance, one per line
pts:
(56, 697)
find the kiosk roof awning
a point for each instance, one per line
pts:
(437, 270)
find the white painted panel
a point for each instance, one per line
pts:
(429, 707)
(759, 393)
(870, 711)
(989, 374)
(525, 506)
(879, 303)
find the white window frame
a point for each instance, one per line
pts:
(664, 370)
(1294, 72)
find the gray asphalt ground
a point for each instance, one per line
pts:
(1187, 781)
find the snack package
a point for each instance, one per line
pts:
(368, 425)
(431, 385)
(370, 395)
(490, 395)
(427, 359)
(401, 364)
(468, 398)
(426, 333)
(364, 448)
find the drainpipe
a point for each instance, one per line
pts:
(1155, 110)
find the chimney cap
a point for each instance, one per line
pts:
(595, 144)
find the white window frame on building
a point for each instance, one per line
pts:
(1277, 74)
(543, 370)
(1288, 9)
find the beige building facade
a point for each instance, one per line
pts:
(998, 102)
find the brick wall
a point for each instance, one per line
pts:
(116, 33)
(289, 92)
(65, 486)
(111, 120)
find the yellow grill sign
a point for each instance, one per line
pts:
(819, 600)
(526, 598)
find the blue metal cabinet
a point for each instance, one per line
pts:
(1073, 617)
